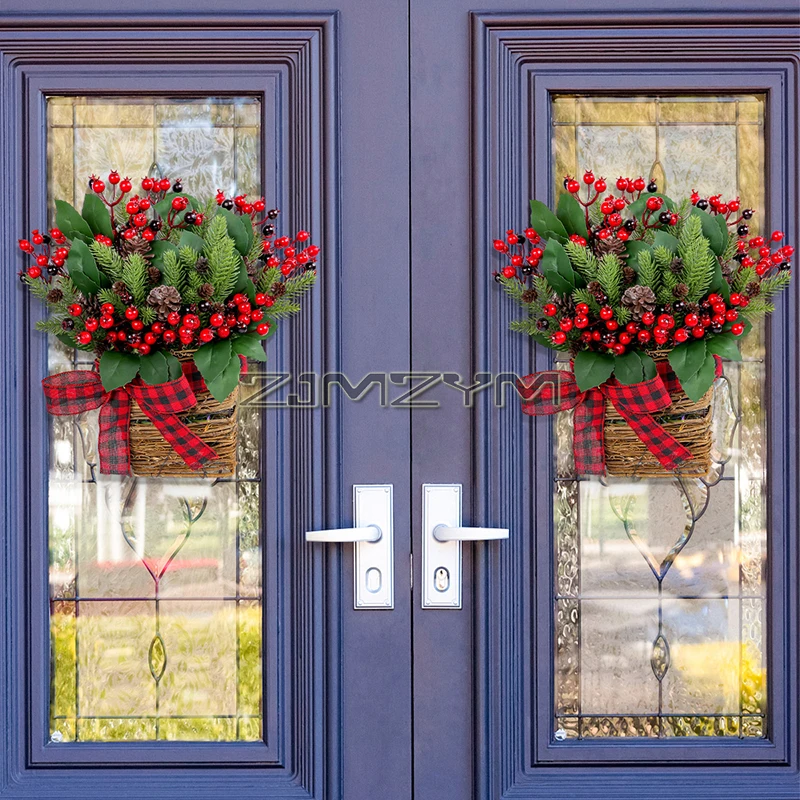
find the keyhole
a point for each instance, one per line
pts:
(441, 580)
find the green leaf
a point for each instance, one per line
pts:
(725, 345)
(557, 269)
(571, 215)
(699, 383)
(154, 368)
(96, 214)
(633, 247)
(545, 222)
(83, 270)
(226, 381)
(238, 230)
(628, 368)
(637, 208)
(664, 239)
(244, 283)
(117, 369)
(592, 369)
(686, 359)
(70, 222)
(249, 345)
(718, 282)
(159, 249)
(212, 359)
(717, 241)
(650, 370)
(189, 239)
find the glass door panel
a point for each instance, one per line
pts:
(155, 584)
(659, 598)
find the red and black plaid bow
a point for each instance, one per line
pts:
(552, 391)
(75, 392)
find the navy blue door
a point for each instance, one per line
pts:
(550, 681)
(246, 671)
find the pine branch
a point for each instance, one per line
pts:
(223, 259)
(583, 259)
(283, 308)
(209, 210)
(134, 273)
(776, 284)
(267, 278)
(683, 210)
(648, 272)
(173, 272)
(743, 277)
(147, 314)
(296, 287)
(609, 275)
(698, 260)
(757, 307)
(51, 326)
(191, 292)
(257, 247)
(110, 296)
(731, 248)
(513, 288)
(108, 260)
(39, 288)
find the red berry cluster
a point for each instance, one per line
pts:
(127, 332)
(50, 256)
(665, 329)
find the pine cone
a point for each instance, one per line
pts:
(134, 246)
(153, 274)
(729, 268)
(120, 288)
(596, 290)
(165, 299)
(628, 275)
(676, 267)
(639, 299)
(612, 245)
(217, 308)
(277, 289)
(528, 296)
(753, 289)
(206, 291)
(201, 265)
(680, 291)
(55, 296)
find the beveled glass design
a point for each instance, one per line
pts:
(155, 584)
(660, 598)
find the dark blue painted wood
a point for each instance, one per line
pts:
(337, 682)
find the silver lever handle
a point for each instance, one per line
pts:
(444, 533)
(369, 533)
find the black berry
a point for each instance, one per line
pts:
(227, 204)
(743, 230)
(702, 204)
(748, 213)
(177, 187)
(155, 225)
(630, 224)
(664, 217)
(67, 324)
(273, 213)
(652, 186)
(268, 230)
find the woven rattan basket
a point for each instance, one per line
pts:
(213, 422)
(689, 422)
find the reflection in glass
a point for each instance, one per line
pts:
(660, 598)
(155, 584)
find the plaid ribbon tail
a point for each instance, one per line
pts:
(113, 444)
(587, 437)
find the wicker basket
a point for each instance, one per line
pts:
(213, 422)
(689, 422)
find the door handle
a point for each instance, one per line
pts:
(373, 550)
(442, 535)
(369, 533)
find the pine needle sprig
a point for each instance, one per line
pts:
(223, 259)
(757, 307)
(110, 296)
(662, 261)
(584, 261)
(108, 260)
(609, 276)
(774, 285)
(513, 288)
(585, 296)
(134, 274)
(648, 272)
(743, 277)
(173, 274)
(267, 278)
(697, 257)
(296, 287)
(283, 307)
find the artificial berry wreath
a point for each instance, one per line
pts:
(647, 296)
(610, 278)
(135, 277)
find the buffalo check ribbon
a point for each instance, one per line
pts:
(551, 391)
(74, 392)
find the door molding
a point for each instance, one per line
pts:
(291, 61)
(517, 60)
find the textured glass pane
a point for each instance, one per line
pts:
(660, 595)
(155, 584)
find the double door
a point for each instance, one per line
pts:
(566, 660)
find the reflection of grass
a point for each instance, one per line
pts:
(201, 664)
